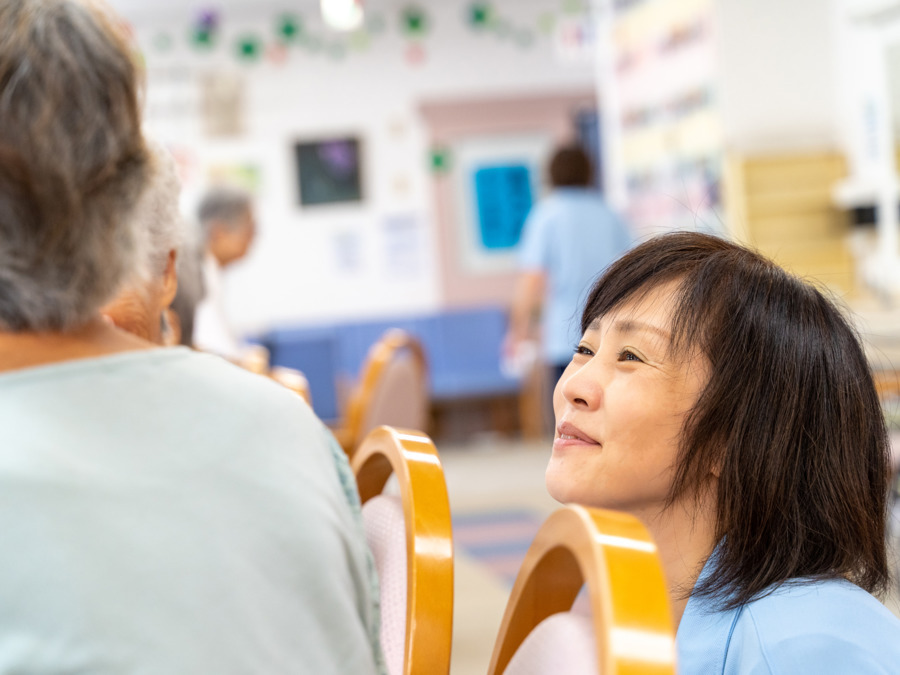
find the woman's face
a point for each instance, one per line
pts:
(619, 409)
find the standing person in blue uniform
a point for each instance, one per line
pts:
(568, 239)
(730, 407)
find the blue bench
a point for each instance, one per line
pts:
(462, 348)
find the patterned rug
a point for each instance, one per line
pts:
(497, 539)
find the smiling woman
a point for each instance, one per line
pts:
(730, 406)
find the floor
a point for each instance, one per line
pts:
(488, 475)
(496, 476)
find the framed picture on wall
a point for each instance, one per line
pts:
(329, 171)
(497, 180)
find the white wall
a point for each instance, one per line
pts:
(292, 274)
(777, 75)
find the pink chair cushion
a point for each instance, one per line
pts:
(561, 643)
(386, 535)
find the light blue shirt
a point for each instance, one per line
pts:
(571, 236)
(821, 627)
(165, 512)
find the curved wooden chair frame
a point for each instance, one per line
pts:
(412, 457)
(614, 555)
(390, 346)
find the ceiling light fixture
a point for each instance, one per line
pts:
(343, 15)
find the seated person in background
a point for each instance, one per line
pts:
(227, 227)
(162, 511)
(140, 308)
(730, 407)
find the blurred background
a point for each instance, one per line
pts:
(394, 149)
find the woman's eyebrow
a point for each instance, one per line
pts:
(631, 326)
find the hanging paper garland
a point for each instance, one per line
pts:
(414, 21)
(289, 28)
(249, 48)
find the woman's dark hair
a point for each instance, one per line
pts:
(570, 167)
(789, 421)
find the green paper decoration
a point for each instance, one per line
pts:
(440, 160)
(203, 38)
(415, 22)
(480, 14)
(249, 47)
(289, 27)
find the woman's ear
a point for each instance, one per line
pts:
(169, 281)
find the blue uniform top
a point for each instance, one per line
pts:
(820, 627)
(571, 236)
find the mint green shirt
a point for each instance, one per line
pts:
(166, 512)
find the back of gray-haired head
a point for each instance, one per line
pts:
(159, 223)
(72, 162)
(223, 205)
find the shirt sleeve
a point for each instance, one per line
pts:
(533, 250)
(823, 653)
(351, 494)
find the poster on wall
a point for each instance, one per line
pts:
(329, 171)
(403, 238)
(497, 180)
(222, 97)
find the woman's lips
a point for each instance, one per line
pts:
(567, 434)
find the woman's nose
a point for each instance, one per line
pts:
(581, 385)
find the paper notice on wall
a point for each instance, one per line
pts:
(222, 100)
(403, 237)
(347, 251)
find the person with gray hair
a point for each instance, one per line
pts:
(162, 511)
(141, 306)
(228, 227)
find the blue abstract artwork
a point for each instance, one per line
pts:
(503, 200)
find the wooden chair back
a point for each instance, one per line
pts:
(393, 390)
(413, 459)
(613, 555)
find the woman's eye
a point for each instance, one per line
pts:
(586, 351)
(628, 355)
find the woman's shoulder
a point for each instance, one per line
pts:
(828, 626)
